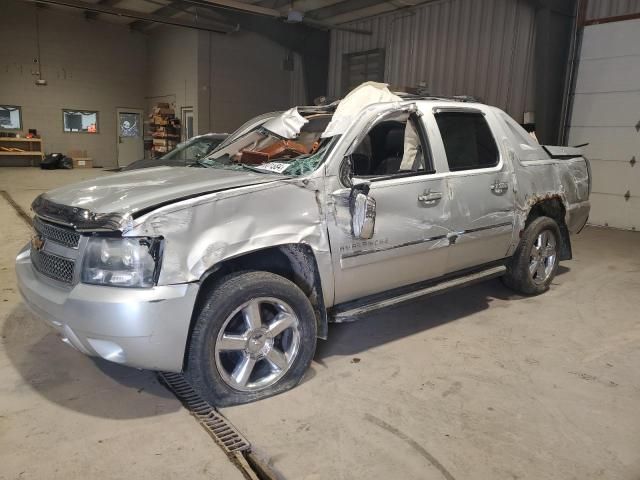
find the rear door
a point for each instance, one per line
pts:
(479, 184)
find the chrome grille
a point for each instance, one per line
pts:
(57, 234)
(53, 266)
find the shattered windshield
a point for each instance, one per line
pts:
(288, 144)
(297, 141)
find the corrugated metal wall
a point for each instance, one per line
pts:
(457, 47)
(597, 9)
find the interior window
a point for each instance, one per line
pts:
(392, 147)
(80, 121)
(10, 117)
(467, 140)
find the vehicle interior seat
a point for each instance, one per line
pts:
(393, 150)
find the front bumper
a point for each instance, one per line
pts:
(143, 328)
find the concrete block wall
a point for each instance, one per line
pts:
(97, 65)
(89, 65)
(246, 78)
(173, 58)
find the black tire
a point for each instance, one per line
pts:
(227, 296)
(519, 276)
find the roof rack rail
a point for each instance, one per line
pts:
(455, 98)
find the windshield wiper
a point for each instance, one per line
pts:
(202, 163)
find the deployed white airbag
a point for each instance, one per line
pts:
(286, 125)
(360, 97)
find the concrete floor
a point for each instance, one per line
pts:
(478, 383)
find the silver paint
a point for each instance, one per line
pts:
(207, 216)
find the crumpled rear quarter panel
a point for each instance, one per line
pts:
(566, 180)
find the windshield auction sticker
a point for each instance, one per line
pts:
(277, 167)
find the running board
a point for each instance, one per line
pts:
(347, 315)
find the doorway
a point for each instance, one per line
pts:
(187, 123)
(130, 143)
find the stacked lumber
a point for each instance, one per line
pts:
(165, 129)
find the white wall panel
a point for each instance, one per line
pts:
(616, 143)
(606, 113)
(618, 109)
(608, 75)
(614, 211)
(610, 176)
(605, 40)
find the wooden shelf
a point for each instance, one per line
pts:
(30, 153)
(9, 139)
(38, 154)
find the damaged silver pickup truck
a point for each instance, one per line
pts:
(230, 270)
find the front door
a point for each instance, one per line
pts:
(130, 143)
(410, 235)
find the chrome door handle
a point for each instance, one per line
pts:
(499, 187)
(429, 198)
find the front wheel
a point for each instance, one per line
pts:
(254, 337)
(535, 261)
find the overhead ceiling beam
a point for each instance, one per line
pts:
(346, 7)
(94, 15)
(169, 10)
(307, 5)
(376, 9)
(181, 7)
(122, 12)
(244, 7)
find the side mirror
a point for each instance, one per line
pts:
(363, 212)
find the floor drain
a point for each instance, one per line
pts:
(218, 427)
(237, 448)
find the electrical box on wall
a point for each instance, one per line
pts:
(529, 118)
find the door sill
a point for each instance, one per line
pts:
(349, 312)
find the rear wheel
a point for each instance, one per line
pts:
(254, 337)
(535, 261)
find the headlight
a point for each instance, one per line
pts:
(122, 262)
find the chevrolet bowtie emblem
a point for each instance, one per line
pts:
(37, 242)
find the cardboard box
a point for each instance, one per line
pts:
(164, 111)
(82, 162)
(158, 120)
(77, 154)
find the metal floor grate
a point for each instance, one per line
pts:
(218, 427)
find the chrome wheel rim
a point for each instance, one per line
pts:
(543, 257)
(257, 344)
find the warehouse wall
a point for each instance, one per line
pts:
(173, 75)
(245, 77)
(597, 9)
(457, 47)
(88, 65)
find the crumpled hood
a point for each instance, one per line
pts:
(129, 192)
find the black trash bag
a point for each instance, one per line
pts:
(56, 160)
(65, 163)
